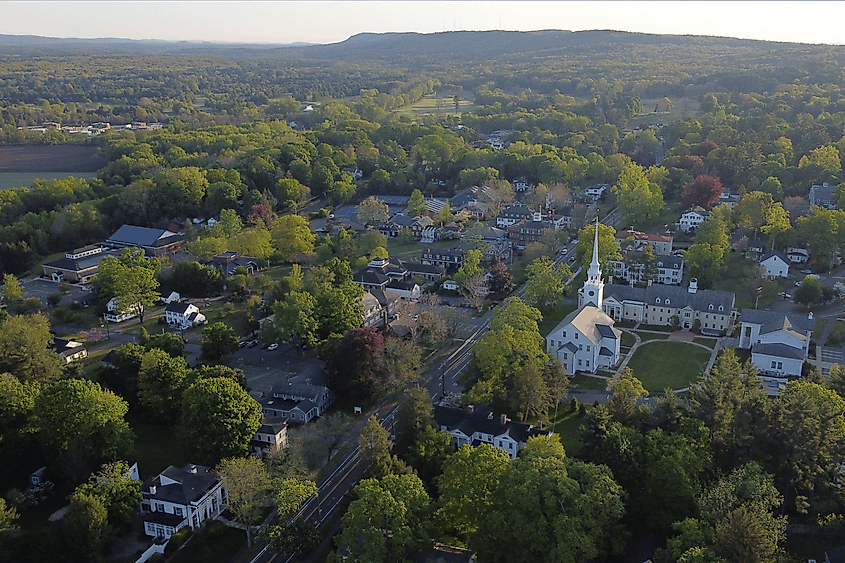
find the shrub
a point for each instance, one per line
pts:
(176, 540)
(573, 404)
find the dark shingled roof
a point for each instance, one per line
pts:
(679, 297)
(779, 350)
(480, 421)
(178, 307)
(188, 486)
(606, 331)
(144, 236)
(771, 321)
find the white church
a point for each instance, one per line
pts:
(586, 340)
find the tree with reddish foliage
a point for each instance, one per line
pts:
(703, 148)
(501, 281)
(355, 367)
(704, 191)
(694, 165)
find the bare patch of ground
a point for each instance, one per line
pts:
(51, 158)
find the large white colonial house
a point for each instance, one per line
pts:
(181, 497)
(183, 315)
(776, 265)
(586, 340)
(691, 219)
(478, 425)
(779, 342)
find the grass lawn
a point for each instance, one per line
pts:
(662, 365)
(217, 543)
(158, 447)
(646, 336)
(628, 339)
(568, 427)
(553, 317)
(818, 328)
(709, 342)
(581, 382)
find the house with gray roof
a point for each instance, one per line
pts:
(478, 425)
(776, 264)
(779, 342)
(823, 195)
(177, 498)
(80, 265)
(669, 305)
(297, 402)
(154, 242)
(228, 262)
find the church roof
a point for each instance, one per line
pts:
(587, 320)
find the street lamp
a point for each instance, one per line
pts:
(106, 323)
(759, 289)
(443, 380)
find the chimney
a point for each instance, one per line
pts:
(693, 285)
(810, 315)
(649, 283)
(504, 418)
(471, 409)
(193, 469)
(152, 489)
(538, 216)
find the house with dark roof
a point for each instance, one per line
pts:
(395, 225)
(297, 402)
(513, 215)
(668, 305)
(448, 258)
(776, 265)
(154, 242)
(228, 262)
(177, 498)
(668, 269)
(823, 195)
(80, 265)
(389, 275)
(478, 425)
(271, 436)
(779, 342)
(183, 315)
(69, 350)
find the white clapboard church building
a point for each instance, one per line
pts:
(586, 340)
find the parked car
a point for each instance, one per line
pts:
(253, 343)
(243, 343)
(272, 346)
(785, 295)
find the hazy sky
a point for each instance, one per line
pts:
(329, 22)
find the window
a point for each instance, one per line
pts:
(579, 362)
(710, 307)
(576, 336)
(774, 364)
(667, 301)
(565, 356)
(588, 363)
(177, 510)
(159, 507)
(553, 343)
(721, 308)
(657, 300)
(687, 315)
(580, 346)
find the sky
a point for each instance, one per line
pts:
(333, 21)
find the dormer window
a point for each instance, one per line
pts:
(710, 307)
(657, 300)
(667, 301)
(721, 308)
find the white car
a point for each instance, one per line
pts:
(273, 346)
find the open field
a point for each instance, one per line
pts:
(444, 106)
(51, 158)
(672, 365)
(680, 108)
(12, 180)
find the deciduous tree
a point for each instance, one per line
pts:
(219, 418)
(219, 341)
(131, 280)
(250, 489)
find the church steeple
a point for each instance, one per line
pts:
(593, 291)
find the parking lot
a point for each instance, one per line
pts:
(40, 288)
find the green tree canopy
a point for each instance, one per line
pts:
(219, 418)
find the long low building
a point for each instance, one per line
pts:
(80, 265)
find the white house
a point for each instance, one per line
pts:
(776, 265)
(797, 255)
(513, 215)
(520, 184)
(691, 219)
(113, 315)
(70, 350)
(181, 497)
(586, 340)
(478, 425)
(596, 191)
(172, 298)
(450, 285)
(779, 342)
(271, 436)
(183, 315)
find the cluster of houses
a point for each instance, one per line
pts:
(81, 266)
(92, 130)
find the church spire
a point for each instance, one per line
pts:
(595, 269)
